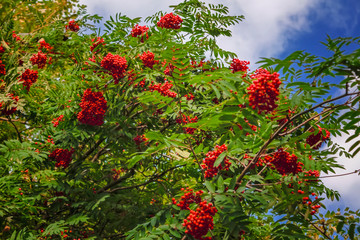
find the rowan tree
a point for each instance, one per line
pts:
(155, 132)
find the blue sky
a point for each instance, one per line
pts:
(273, 28)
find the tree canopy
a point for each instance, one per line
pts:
(155, 132)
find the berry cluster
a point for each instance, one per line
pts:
(200, 221)
(286, 163)
(72, 26)
(188, 198)
(189, 96)
(15, 36)
(29, 77)
(6, 110)
(96, 42)
(93, 105)
(148, 59)
(140, 139)
(56, 121)
(239, 65)
(116, 173)
(44, 45)
(2, 49)
(140, 31)
(253, 127)
(185, 120)
(170, 21)
(39, 59)
(264, 91)
(210, 169)
(163, 89)
(62, 157)
(2, 68)
(315, 141)
(115, 64)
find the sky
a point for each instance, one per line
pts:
(273, 28)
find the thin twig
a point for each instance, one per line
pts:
(316, 227)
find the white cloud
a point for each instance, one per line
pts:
(268, 26)
(346, 185)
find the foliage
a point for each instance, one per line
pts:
(133, 135)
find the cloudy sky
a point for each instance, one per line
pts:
(272, 28)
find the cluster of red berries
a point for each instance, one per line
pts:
(2, 68)
(211, 156)
(239, 65)
(189, 96)
(264, 91)
(56, 121)
(40, 59)
(96, 42)
(253, 127)
(169, 68)
(307, 200)
(148, 59)
(140, 139)
(29, 77)
(115, 64)
(315, 141)
(188, 198)
(72, 26)
(170, 21)
(15, 36)
(2, 49)
(44, 45)
(116, 173)
(200, 221)
(5, 110)
(94, 106)
(62, 157)
(140, 31)
(285, 163)
(163, 89)
(185, 120)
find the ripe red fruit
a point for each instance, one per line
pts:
(140, 31)
(62, 157)
(264, 91)
(39, 59)
(148, 59)
(94, 106)
(5, 110)
(210, 169)
(115, 64)
(72, 26)
(164, 89)
(315, 141)
(285, 163)
(170, 21)
(29, 77)
(238, 65)
(96, 42)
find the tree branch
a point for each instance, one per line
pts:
(277, 132)
(152, 179)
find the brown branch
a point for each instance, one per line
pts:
(152, 179)
(92, 149)
(16, 129)
(277, 132)
(100, 153)
(119, 180)
(13, 120)
(323, 232)
(305, 122)
(343, 174)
